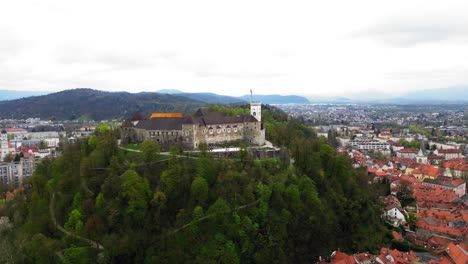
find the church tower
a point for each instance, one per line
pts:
(256, 110)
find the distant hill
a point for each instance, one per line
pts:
(94, 104)
(455, 94)
(209, 98)
(170, 91)
(335, 99)
(212, 98)
(277, 99)
(433, 96)
(11, 95)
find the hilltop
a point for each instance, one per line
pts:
(101, 203)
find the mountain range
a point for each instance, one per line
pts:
(458, 94)
(93, 104)
(222, 99)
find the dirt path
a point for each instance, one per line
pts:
(92, 243)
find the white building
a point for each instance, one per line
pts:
(395, 215)
(370, 145)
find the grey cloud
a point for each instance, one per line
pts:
(10, 44)
(457, 72)
(284, 54)
(239, 75)
(413, 31)
(113, 60)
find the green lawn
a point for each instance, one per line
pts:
(132, 146)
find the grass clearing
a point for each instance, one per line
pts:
(132, 146)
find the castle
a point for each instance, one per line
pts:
(210, 127)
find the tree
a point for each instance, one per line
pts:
(41, 249)
(135, 191)
(150, 150)
(8, 158)
(199, 190)
(43, 144)
(159, 200)
(75, 221)
(411, 219)
(206, 169)
(75, 255)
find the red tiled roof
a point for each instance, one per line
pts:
(457, 164)
(407, 151)
(400, 257)
(14, 129)
(439, 228)
(404, 160)
(408, 178)
(380, 174)
(445, 181)
(457, 253)
(430, 170)
(342, 258)
(449, 151)
(397, 236)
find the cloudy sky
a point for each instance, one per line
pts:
(329, 48)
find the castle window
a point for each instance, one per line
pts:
(218, 130)
(229, 130)
(235, 129)
(210, 130)
(254, 114)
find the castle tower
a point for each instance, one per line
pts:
(256, 110)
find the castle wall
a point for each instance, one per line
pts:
(191, 135)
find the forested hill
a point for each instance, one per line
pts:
(94, 104)
(100, 204)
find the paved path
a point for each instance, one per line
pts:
(132, 150)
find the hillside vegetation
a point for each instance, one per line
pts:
(120, 207)
(93, 104)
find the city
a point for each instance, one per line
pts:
(414, 156)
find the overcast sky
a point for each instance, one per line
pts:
(287, 47)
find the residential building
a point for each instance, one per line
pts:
(449, 153)
(448, 183)
(14, 174)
